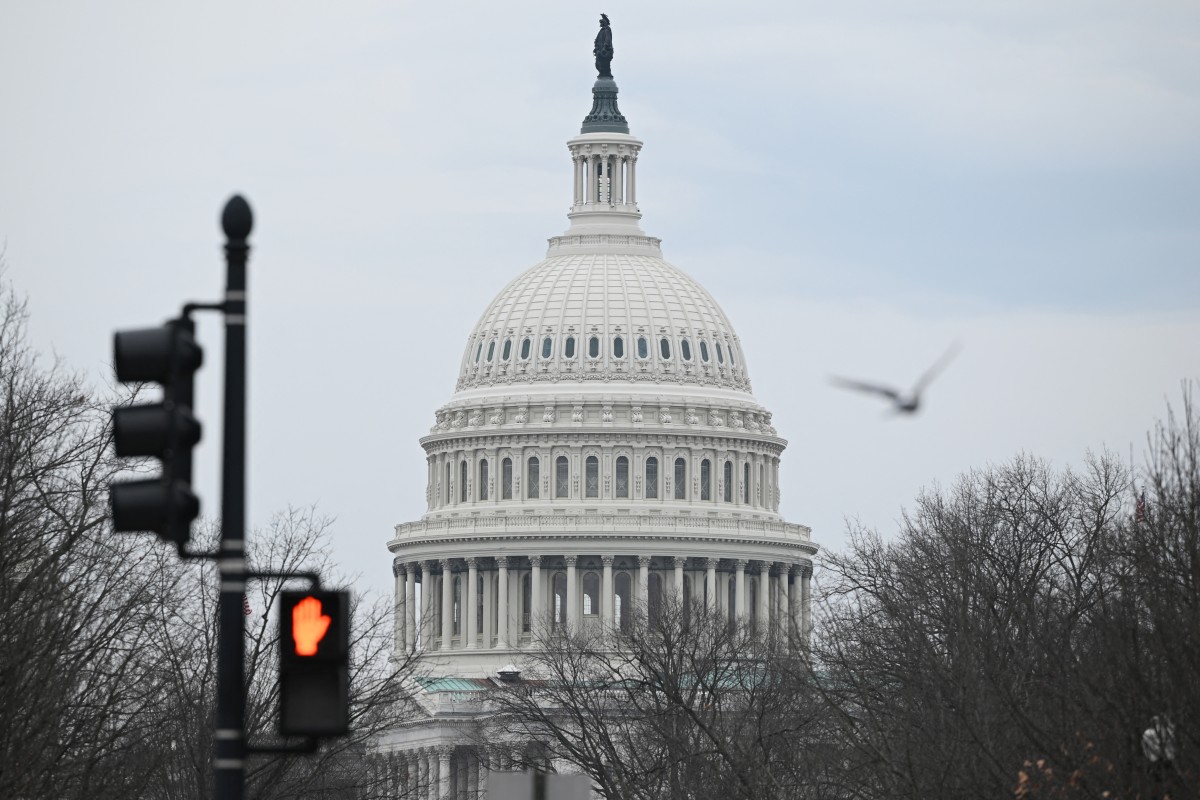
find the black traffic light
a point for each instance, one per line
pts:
(166, 430)
(314, 663)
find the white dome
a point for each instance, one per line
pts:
(609, 315)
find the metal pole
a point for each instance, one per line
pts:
(230, 738)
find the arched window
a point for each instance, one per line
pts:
(483, 479)
(746, 483)
(618, 347)
(525, 346)
(592, 477)
(643, 347)
(491, 350)
(534, 481)
(526, 601)
(622, 476)
(562, 483)
(458, 587)
(591, 594)
(720, 355)
(703, 351)
(560, 600)
(651, 477)
(685, 350)
(569, 348)
(478, 352)
(680, 479)
(653, 597)
(448, 496)
(547, 347)
(462, 481)
(594, 347)
(507, 350)
(728, 482)
(732, 360)
(706, 480)
(506, 479)
(760, 484)
(621, 599)
(664, 347)
(479, 604)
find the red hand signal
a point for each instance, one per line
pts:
(309, 626)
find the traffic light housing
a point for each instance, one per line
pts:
(314, 663)
(166, 430)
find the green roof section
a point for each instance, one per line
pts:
(454, 684)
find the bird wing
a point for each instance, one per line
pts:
(937, 367)
(860, 386)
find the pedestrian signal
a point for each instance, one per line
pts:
(314, 663)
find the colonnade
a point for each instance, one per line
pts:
(609, 179)
(440, 772)
(504, 602)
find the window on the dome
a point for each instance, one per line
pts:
(618, 347)
(483, 479)
(720, 355)
(622, 476)
(651, 477)
(491, 350)
(746, 483)
(591, 594)
(534, 481)
(507, 350)
(562, 483)
(664, 347)
(706, 480)
(569, 348)
(547, 346)
(592, 476)
(506, 479)
(457, 609)
(680, 479)
(594, 347)
(525, 349)
(685, 350)
(732, 360)
(478, 352)
(643, 348)
(462, 481)
(703, 351)
(728, 482)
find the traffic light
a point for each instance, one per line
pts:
(314, 663)
(166, 430)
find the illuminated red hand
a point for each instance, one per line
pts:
(308, 626)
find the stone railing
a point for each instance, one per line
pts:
(568, 524)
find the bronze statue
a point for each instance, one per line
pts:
(604, 49)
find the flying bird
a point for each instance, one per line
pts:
(901, 403)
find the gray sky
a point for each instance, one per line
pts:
(858, 184)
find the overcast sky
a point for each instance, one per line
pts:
(858, 184)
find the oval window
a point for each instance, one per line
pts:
(507, 350)
(720, 355)
(685, 350)
(594, 347)
(491, 350)
(478, 352)
(525, 349)
(703, 351)
(547, 344)
(732, 361)
(643, 348)
(569, 349)
(618, 347)
(664, 347)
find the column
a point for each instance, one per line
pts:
(410, 606)
(632, 199)
(443, 757)
(764, 598)
(575, 170)
(619, 178)
(783, 610)
(606, 594)
(572, 610)
(535, 597)
(502, 603)
(472, 598)
(428, 617)
(489, 609)
(680, 561)
(805, 601)
(424, 773)
(400, 573)
(447, 605)
(643, 582)
(710, 583)
(739, 592)
(794, 621)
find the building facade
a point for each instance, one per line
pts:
(602, 452)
